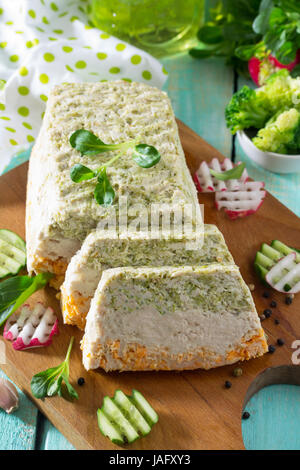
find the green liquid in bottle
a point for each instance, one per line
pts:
(161, 27)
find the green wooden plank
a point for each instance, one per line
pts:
(274, 422)
(199, 91)
(52, 439)
(18, 430)
(18, 159)
(284, 187)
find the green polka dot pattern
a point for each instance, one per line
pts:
(48, 57)
(51, 42)
(101, 55)
(120, 47)
(23, 90)
(135, 59)
(147, 75)
(80, 64)
(114, 70)
(67, 49)
(44, 78)
(23, 111)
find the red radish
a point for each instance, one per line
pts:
(285, 275)
(242, 201)
(289, 66)
(31, 328)
(254, 68)
(270, 62)
(206, 183)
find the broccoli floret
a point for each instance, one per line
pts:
(247, 108)
(281, 135)
(279, 90)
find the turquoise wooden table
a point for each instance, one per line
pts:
(199, 91)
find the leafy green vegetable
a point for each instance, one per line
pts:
(104, 193)
(146, 156)
(247, 108)
(15, 290)
(87, 143)
(49, 382)
(80, 173)
(281, 90)
(234, 173)
(239, 30)
(229, 27)
(281, 135)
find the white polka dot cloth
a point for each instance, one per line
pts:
(44, 42)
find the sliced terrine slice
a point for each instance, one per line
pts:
(171, 318)
(102, 250)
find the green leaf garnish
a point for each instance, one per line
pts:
(15, 290)
(87, 143)
(104, 192)
(233, 174)
(145, 155)
(80, 173)
(49, 382)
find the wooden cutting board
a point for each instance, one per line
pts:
(195, 410)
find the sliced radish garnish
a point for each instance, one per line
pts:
(207, 183)
(285, 275)
(31, 328)
(245, 200)
(254, 68)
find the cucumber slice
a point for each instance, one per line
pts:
(284, 249)
(261, 271)
(144, 407)
(270, 252)
(116, 416)
(13, 239)
(123, 419)
(131, 413)
(12, 253)
(108, 429)
(269, 256)
(263, 260)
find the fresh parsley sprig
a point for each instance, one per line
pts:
(239, 30)
(87, 143)
(15, 290)
(234, 173)
(49, 382)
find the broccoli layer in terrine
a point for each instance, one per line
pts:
(61, 213)
(101, 251)
(171, 318)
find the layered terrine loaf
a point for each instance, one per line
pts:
(101, 251)
(171, 318)
(61, 213)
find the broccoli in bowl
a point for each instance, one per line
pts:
(273, 110)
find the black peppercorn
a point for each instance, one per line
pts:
(80, 381)
(228, 384)
(276, 321)
(267, 312)
(266, 294)
(280, 342)
(273, 304)
(272, 349)
(288, 300)
(246, 415)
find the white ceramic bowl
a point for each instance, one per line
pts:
(276, 162)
